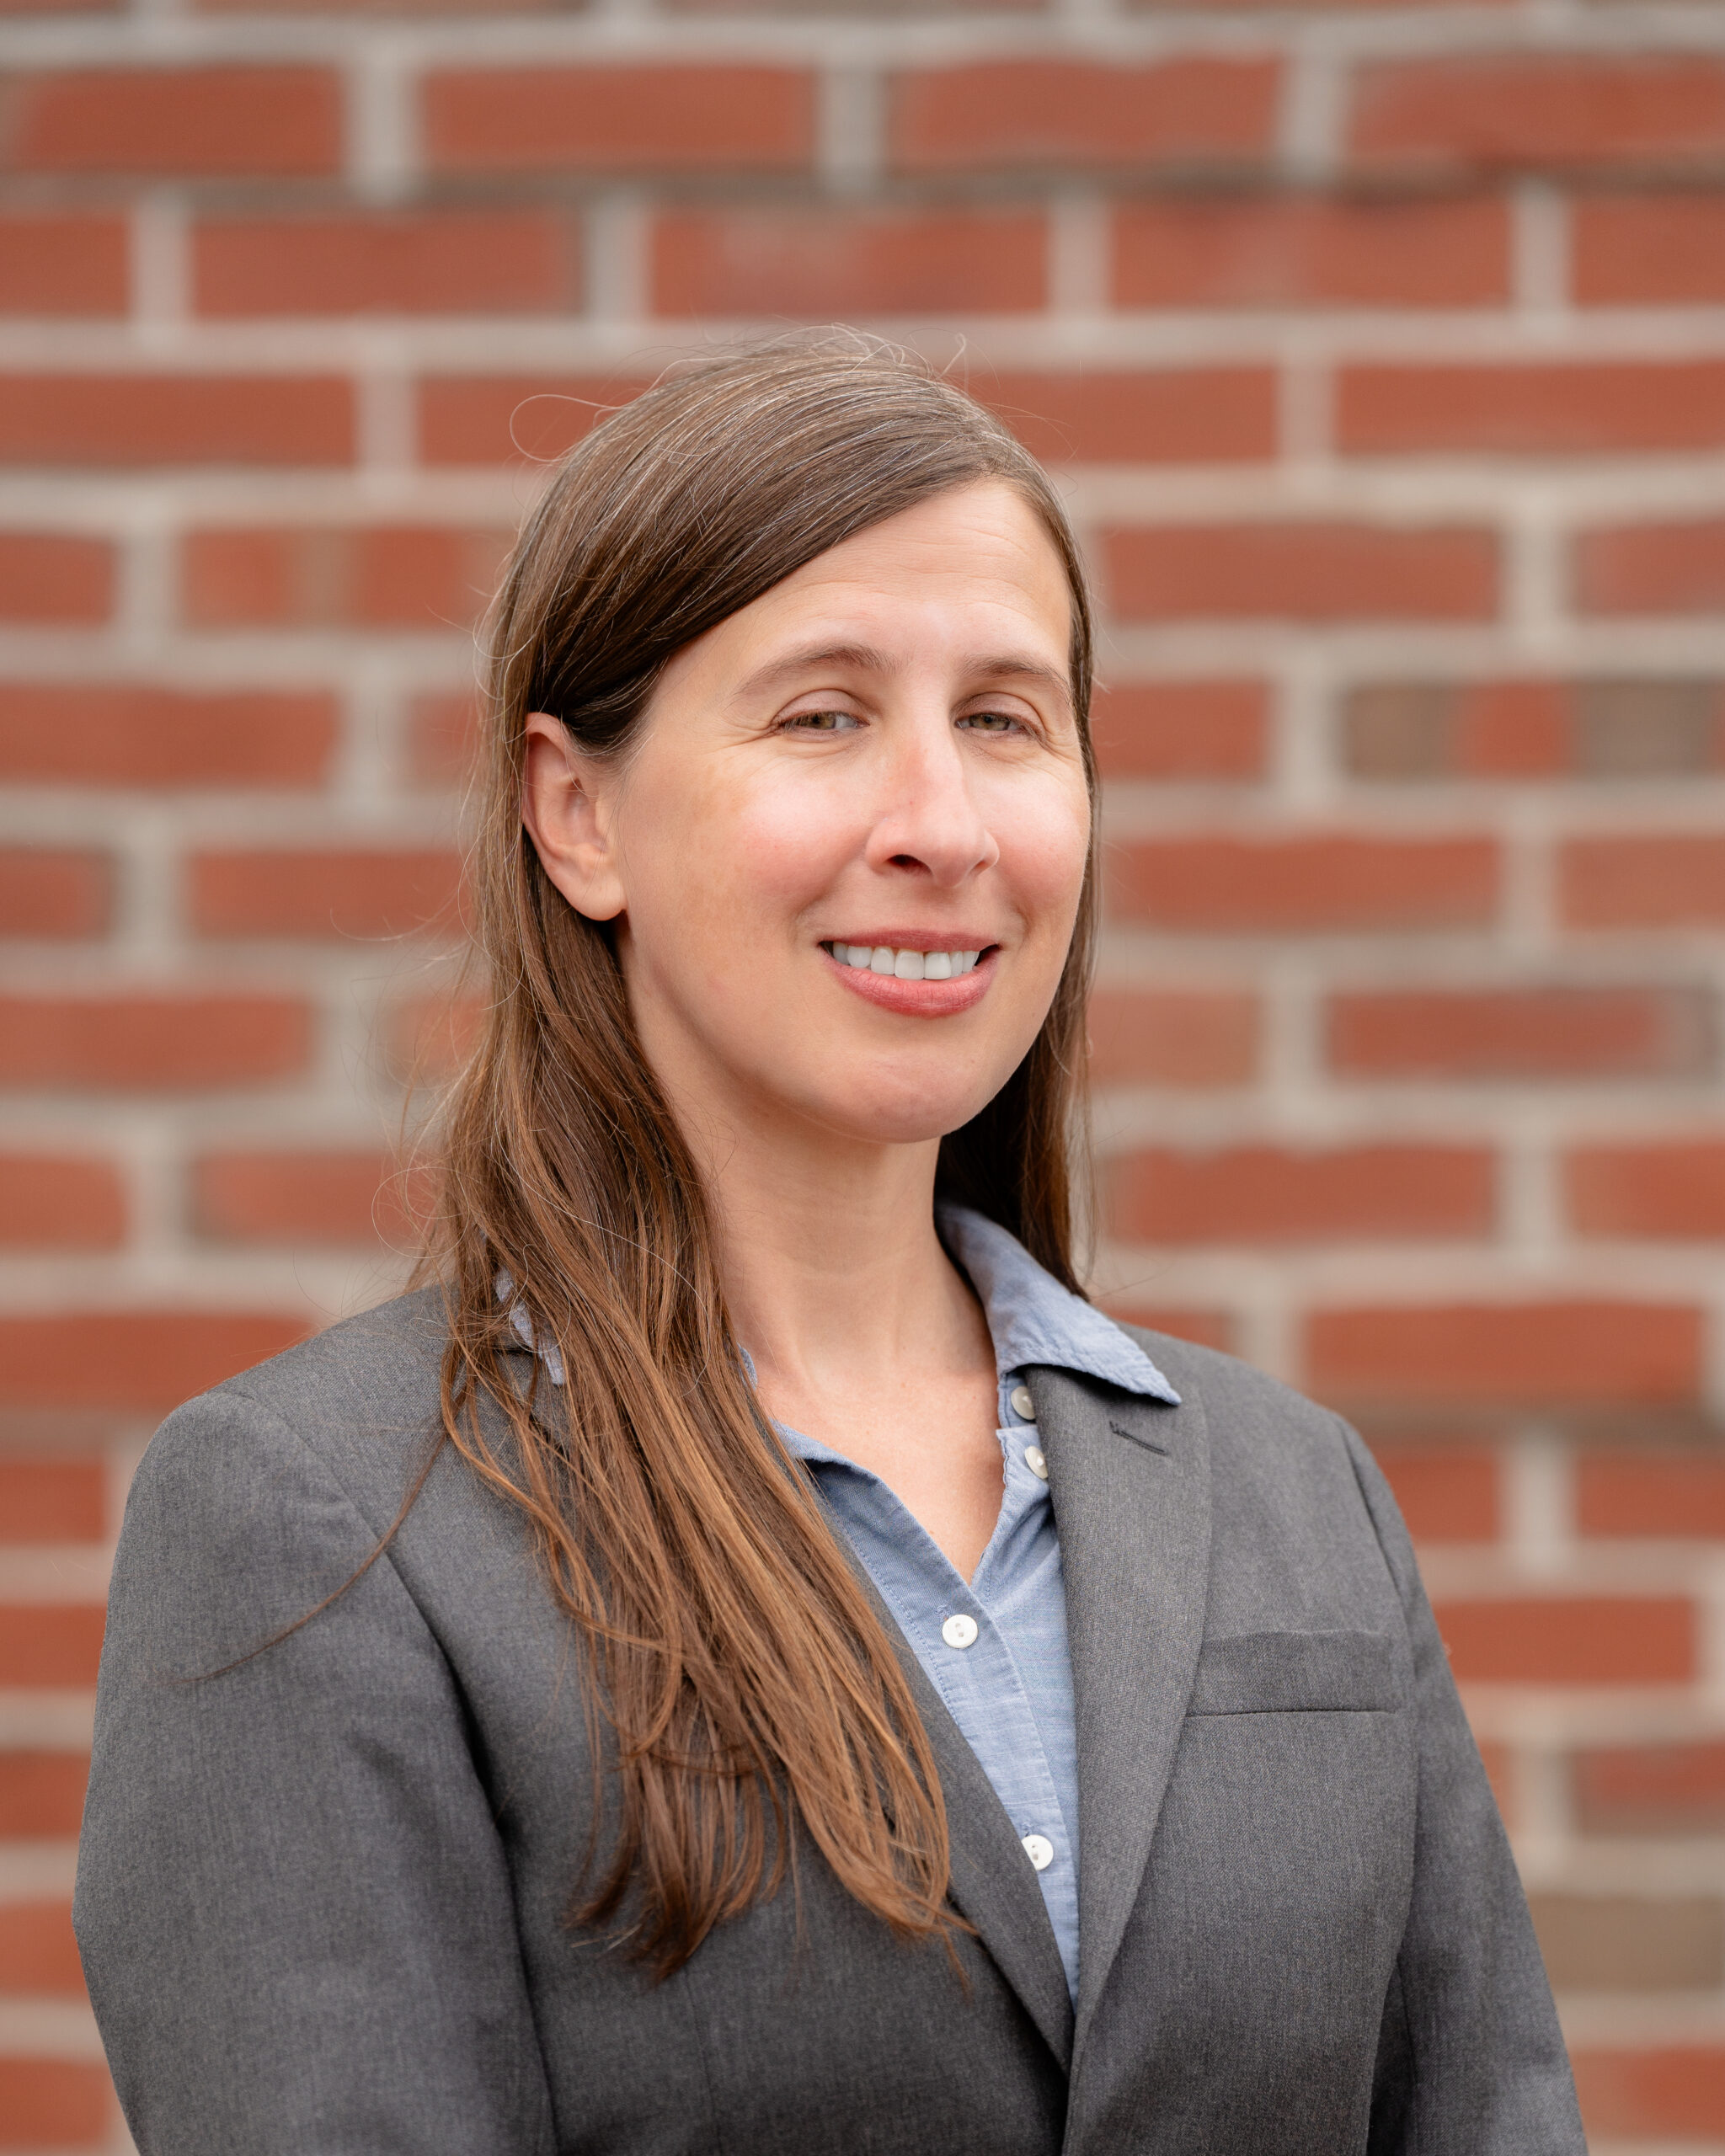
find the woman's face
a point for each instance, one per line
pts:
(846, 853)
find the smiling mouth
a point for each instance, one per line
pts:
(903, 965)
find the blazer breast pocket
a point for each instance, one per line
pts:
(1296, 1673)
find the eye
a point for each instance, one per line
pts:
(998, 723)
(821, 722)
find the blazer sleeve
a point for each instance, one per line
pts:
(1470, 2059)
(292, 1900)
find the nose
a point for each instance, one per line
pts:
(929, 822)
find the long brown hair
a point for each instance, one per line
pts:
(749, 1688)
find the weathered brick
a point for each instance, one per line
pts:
(63, 264)
(162, 122)
(42, 1793)
(1474, 113)
(620, 119)
(1269, 251)
(1161, 415)
(425, 577)
(1014, 115)
(1652, 1789)
(49, 580)
(1663, 879)
(354, 1199)
(1570, 1639)
(55, 893)
(1530, 1354)
(175, 419)
(769, 264)
(1573, 409)
(55, 2103)
(330, 892)
(1446, 1493)
(1669, 1189)
(1305, 882)
(38, 1952)
(1534, 1032)
(1181, 729)
(1172, 1037)
(1302, 571)
(1651, 569)
(1677, 2091)
(1274, 1194)
(492, 418)
(111, 734)
(1660, 1494)
(50, 1643)
(1647, 249)
(138, 1041)
(1618, 1943)
(136, 1361)
(449, 262)
(52, 1501)
(1534, 730)
(51, 1202)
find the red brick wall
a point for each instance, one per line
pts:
(1382, 352)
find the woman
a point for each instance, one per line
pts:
(782, 1672)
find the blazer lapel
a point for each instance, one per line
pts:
(993, 1886)
(1129, 1478)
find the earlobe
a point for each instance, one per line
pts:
(565, 808)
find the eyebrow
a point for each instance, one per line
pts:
(1001, 666)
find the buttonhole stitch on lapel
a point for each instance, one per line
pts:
(1149, 1444)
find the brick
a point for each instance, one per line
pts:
(49, 1202)
(620, 119)
(143, 1043)
(1209, 1328)
(1173, 1037)
(1015, 115)
(1665, 880)
(38, 1952)
(140, 1362)
(1505, 110)
(54, 581)
(1164, 415)
(1616, 1942)
(1304, 883)
(1652, 1789)
(1675, 1190)
(826, 263)
(1651, 1494)
(465, 262)
(429, 1037)
(1447, 1493)
(65, 265)
(1182, 729)
(52, 1501)
(56, 893)
(1302, 571)
(162, 122)
(1279, 1194)
(1520, 1033)
(42, 1793)
(425, 577)
(1647, 249)
(327, 1199)
(1267, 251)
(1534, 730)
(126, 735)
(1567, 409)
(1651, 568)
(129, 420)
(1570, 1639)
(492, 418)
(443, 737)
(53, 2103)
(1678, 2090)
(1527, 1354)
(50, 1643)
(325, 892)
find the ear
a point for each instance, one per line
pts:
(566, 803)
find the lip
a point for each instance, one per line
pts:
(919, 999)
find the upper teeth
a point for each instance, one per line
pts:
(905, 965)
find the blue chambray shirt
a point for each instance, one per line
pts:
(1010, 1690)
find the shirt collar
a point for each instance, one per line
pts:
(1032, 1318)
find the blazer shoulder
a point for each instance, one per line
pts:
(1238, 1400)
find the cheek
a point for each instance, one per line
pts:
(1044, 844)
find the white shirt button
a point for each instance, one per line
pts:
(1022, 1403)
(1035, 1462)
(959, 1631)
(1040, 1850)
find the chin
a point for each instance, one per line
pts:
(899, 1114)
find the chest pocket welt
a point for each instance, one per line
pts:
(1296, 1673)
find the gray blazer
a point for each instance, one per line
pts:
(321, 1897)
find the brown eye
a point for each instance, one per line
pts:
(990, 722)
(822, 721)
